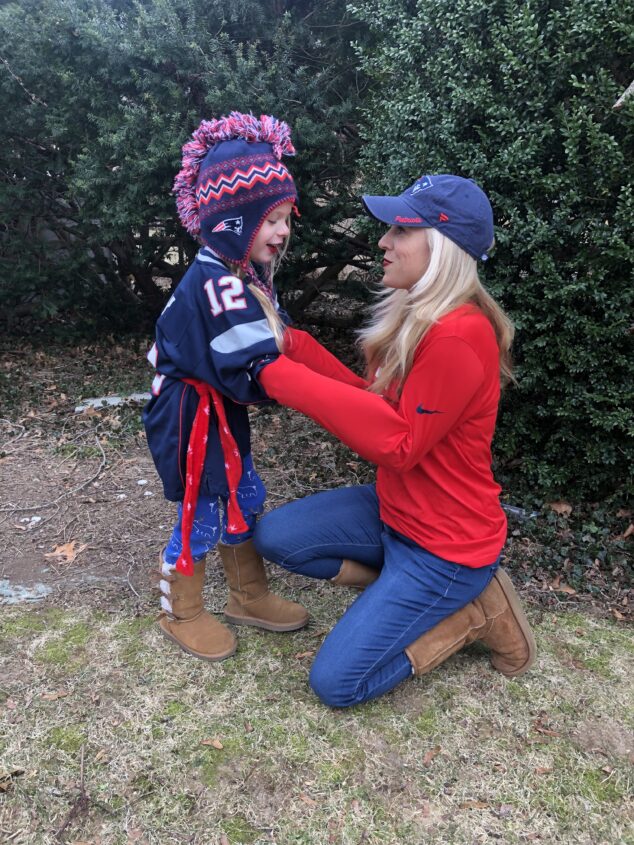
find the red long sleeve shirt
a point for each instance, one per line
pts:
(432, 445)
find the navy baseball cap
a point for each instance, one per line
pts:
(456, 207)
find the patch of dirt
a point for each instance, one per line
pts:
(87, 522)
(607, 738)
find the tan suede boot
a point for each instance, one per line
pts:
(495, 617)
(355, 574)
(508, 634)
(184, 619)
(250, 601)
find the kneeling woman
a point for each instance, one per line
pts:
(426, 539)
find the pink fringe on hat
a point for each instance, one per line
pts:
(267, 129)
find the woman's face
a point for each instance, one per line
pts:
(406, 256)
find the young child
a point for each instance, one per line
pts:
(235, 195)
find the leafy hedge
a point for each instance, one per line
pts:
(97, 98)
(520, 97)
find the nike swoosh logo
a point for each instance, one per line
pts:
(421, 410)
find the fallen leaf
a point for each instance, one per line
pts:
(617, 614)
(429, 755)
(561, 508)
(301, 654)
(539, 727)
(215, 742)
(53, 696)
(248, 727)
(607, 769)
(307, 799)
(224, 839)
(623, 512)
(67, 552)
(561, 587)
(628, 531)
(7, 778)
(543, 770)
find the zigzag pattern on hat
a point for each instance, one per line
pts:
(214, 189)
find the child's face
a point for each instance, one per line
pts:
(272, 234)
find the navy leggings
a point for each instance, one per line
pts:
(363, 656)
(210, 523)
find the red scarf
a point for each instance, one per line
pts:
(196, 452)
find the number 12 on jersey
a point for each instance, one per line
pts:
(231, 296)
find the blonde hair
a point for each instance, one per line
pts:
(276, 324)
(401, 318)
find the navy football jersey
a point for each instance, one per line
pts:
(213, 329)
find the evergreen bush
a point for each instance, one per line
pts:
(98, 97)
(519, 96)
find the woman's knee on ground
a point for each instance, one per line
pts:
(269, 530)
(332, 684)
(282, 540)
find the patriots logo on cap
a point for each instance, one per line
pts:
(231, 224)
(422, 185)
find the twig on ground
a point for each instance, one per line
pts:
(130, 583)
(4, 446)
(81, 803)
(43, 505)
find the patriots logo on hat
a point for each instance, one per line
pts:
(231, 224)
(422, 185)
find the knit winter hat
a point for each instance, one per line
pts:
(232, 178)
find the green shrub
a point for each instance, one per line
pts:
(97, 99)
(519, 96)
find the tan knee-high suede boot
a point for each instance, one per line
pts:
(183, 618)
(355, 574)
(495, 617)
(250, 600)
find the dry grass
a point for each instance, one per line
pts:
(461, 756)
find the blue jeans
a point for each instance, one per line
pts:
(364, 654)
(210, 525)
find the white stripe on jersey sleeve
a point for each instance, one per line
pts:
(242, 336)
